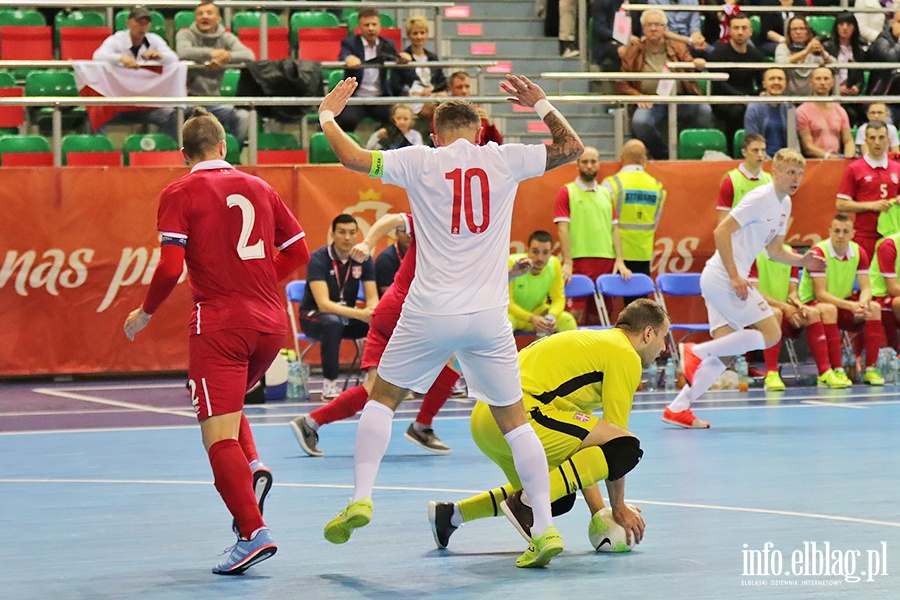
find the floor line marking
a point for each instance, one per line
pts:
(833, 404)
(116, 403)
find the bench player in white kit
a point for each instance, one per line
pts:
(461, 195)
(740, 320)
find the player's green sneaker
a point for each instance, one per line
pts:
(543, 548)
(357, 514)
(873, 377)
(833, 379)
(843, 377)
(773, 382)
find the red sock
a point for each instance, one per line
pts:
(872, 332)
(437, 395)
(815, 339)
(770, 355)
(245, 437)
(343, 407)
(833, 339)
(234, 482)
(889, 322)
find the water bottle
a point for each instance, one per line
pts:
(552, 321)
(294, 381)
(740, 367)
(671, 378)
(849, 363)
(882, 363)
(303, 384)
(652, 376)
(892, 364)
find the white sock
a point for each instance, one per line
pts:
(732, 344)
(531, 465)
(704, 377)
(312, 423)
(457, 518)
(372, 438)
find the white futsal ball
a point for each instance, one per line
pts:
(606, 535)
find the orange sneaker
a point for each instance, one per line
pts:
(689, 361)
(684, 419)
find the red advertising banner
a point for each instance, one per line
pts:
(78, 247)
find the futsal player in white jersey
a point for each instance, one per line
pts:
(461, 195)
(740, 320)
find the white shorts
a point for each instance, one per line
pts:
(483, 342)
(725, 308)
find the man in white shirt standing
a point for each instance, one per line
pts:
(740, 320)
(461, 196)
(133, 48)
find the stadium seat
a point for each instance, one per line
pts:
(821, 25)
(756, 25)
(246, 26)
(692, 143)
(25, 35)
(232, 149)
(321, 44)
(277, 141)
(81, 144)
(21, 18)
(334, 78)
(581, 286)
(25, 151)
(230, 82)
(738, 141)
(54, 83)
(183, 19)
(11, 117)
(679, 285)
(613, 286)
(279, 149)
(320, 151)
(308, 19)
(157, 23)
(78, 33)
(157, 158)
(147, 142)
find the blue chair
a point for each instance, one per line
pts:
(679, 285)
(581, 286)
(614, 286)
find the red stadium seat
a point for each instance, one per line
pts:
(11, 116)
(96, 159)
(320, 43)
(166, 158)
(278, 41)
(281, 157)
(26, 159)
(26, 42)
(79, 43)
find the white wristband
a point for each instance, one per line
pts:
(543, 107)
(828, 155)
(326, 116)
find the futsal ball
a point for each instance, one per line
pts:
(605, 534)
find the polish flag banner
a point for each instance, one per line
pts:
(112, 81)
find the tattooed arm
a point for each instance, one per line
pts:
(566, 146)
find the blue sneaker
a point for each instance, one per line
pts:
(262, 484)
(246, 553)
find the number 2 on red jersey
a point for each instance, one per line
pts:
(462, 196)
(248, 219)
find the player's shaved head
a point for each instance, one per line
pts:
(634, 152)
(202, 134)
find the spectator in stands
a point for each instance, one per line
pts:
(328, 310)
(399, 133)
(133, 48)
(649, 55)
(869, 188)
(772, 25)
(845, 46)
(746, 177)
(422, 81)
(586, 222)
(388, 262)
(207, 43)
(800, 46)
(886, 48)
(368, 47)
(824, 127)
(831, 291)
(529, 308)
(606, 49)
(684, 26)
(870, 24)
(878, 111)
(460, 85)
(741, 82)
(564, 14)
(769, 119)
(718, 27)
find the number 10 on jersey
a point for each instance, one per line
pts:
(462, 196)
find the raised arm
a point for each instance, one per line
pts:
(566, 146)
(345, 148)
(381, 227)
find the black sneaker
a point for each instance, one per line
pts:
(262, 484)
(520, 515)
(426, 439)
(306, 436)
(440, 513)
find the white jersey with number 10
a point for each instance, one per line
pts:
(461, 198)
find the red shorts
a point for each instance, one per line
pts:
(593, 268)
(845, 318)
(885, 302)
(223, 365)
(788, 330)
(380, 330)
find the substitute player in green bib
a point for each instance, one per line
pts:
(747, 176)
(565, 378)
(778, 284)
(885, 287)
(831, 291)
(540, 293)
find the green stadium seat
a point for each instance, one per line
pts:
(692, 143)
(147, 142)
(35, 151)
(7, 80)
(320, 151)
(24, 35)
(78, 33)
(252, 19)
(183, 19)
(54, 83)
(157, 23)
(230, 82)
(334, 78)
(232, 149)
(21, 18)
(11, 117)
(277, 141)
(77, 143)
(756, 25)
(246, 26)
(738, 141)
(309, 19)
(821, 25)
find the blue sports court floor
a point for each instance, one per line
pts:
(106, 493)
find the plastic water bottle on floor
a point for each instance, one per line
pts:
(740, 367)
(671, 377)
(294, 381)
(892, 365)
(652, 376)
